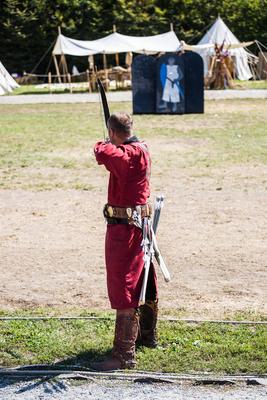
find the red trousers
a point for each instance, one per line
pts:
(124, 264)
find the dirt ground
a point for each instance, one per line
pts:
(212, 234)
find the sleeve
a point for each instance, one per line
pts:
(115, 159)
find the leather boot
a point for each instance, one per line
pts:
(147, 335)
(123, 353)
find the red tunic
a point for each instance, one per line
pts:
(129, 167)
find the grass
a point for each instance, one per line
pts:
(261, 84)
(81, 87)
(182, 347)
(50, 146)
(42, 144)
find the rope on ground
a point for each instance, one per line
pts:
(162, 319)
(138, 376)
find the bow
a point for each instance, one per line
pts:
(104, 100)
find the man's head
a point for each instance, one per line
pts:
(120, 127)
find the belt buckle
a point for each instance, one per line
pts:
(129, 212)
(110, 211)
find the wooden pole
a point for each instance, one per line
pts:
(55, 60)
(105, 70)
(117, 59)
(88, 80)
(91, 68)
(116, 55)
(49, 82)
(64, 67)
(57, 68)
(94, 76)
(61, 64)
(69, 80)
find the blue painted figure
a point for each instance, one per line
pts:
(170, 76)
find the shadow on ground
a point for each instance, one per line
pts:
(51, 384)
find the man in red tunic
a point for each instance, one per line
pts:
(128, 161)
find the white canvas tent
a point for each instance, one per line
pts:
(117, 43)
(7, 83)
(218, 34)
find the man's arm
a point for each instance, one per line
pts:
(115, 159)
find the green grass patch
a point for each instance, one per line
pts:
(261, 84)
(38, 89)
(79, 87)
(41, 142)
(182, 347)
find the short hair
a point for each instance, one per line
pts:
(121, 123)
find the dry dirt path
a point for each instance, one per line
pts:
(213, 236)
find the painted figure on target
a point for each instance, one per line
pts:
(170, 77)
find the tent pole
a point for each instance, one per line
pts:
(69, 80)
(64, 67)
(171, 26)
(117, 59)
(57, 68)
(49, 82)
(94, 74)
(105, 69)
(116, 55)
(88, 80)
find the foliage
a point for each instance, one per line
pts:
(28, 28)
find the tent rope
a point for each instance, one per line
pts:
(43, 56)
(162, 319)
(198, 34)
(258, 44)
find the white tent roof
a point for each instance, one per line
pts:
(117, 43)
(7, 83)
(218, 34)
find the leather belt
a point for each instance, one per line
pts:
(127, 212)
(115, 221)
